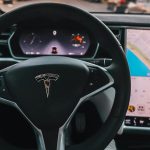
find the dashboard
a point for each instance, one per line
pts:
(77, 41)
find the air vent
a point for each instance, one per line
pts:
(117, 32)
(4, 36)
(120, 34)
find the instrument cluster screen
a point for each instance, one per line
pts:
(54, 42)
(138, 56)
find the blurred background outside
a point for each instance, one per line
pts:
(110, 6)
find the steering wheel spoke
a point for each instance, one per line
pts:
(38, 133)
(99, 80)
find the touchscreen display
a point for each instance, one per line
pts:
(138, 56)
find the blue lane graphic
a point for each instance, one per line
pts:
(137, 67)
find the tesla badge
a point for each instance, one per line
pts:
(47, 78)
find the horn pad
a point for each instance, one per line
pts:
(47, 88)
(47, 78)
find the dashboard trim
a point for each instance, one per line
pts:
(135, 129)
(124, 19)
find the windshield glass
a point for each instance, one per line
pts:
(109, 6)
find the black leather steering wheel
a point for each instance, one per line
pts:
(51, 114)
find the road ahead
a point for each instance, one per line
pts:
(84, 4)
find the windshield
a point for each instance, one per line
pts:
(109, 6)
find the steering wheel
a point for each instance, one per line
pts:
(66, 81)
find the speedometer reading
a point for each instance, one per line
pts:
(78, 40)
(31, 42)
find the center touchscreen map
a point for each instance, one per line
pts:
(138, 56)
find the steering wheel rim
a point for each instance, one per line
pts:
(118, 70)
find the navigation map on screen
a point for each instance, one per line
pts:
(138, 56)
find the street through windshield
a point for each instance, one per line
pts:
(110, 6)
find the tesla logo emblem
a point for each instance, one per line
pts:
(47, 78)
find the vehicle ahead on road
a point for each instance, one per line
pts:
(77, 81)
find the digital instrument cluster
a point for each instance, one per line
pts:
(54, 42)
